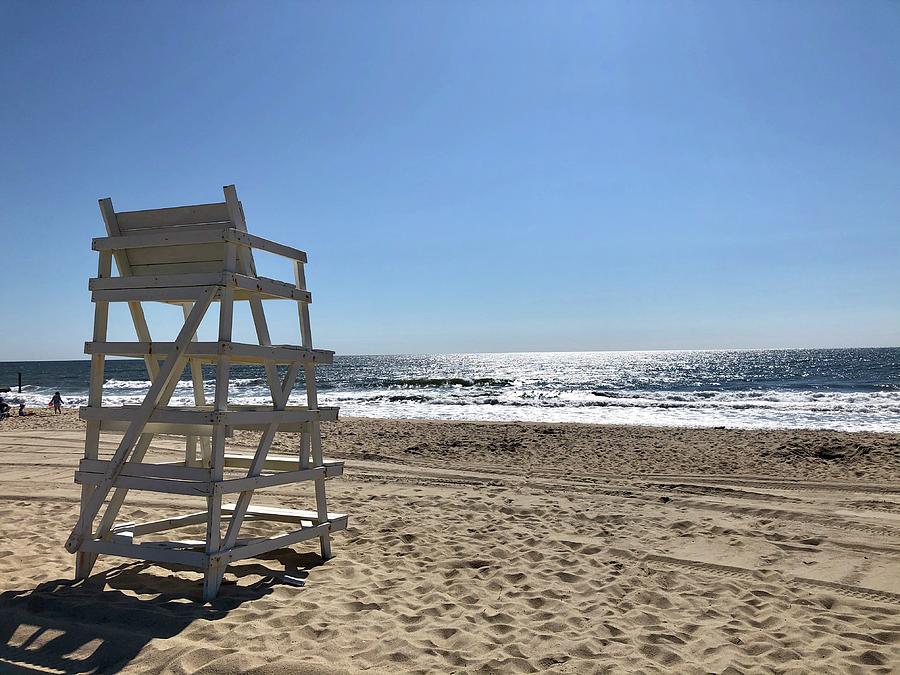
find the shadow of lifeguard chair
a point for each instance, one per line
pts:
(194, 256)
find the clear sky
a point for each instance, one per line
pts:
(491, 176)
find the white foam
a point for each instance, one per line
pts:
(528, 401)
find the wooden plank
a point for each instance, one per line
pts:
(128, 414)
(145, 552)
(242, 418)
(280, 514)
(202, 431)
(190, 253)
(164, 269)
(271, 288)
(179, 412)
(197, 430)
(195, 543)
(135, 349)
(210, 351)
(332, 467)
(213, 233)
(174, 487)
(279, 354)
(272, 463)
(269, 480)
(269, 246)
(173, 217)
(204, 279)
(165, 524)
(271, 544)
(175, 470)
(238, 418)
(152, 238)
(153, 292)
(135, 295)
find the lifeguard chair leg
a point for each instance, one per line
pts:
(212, 576)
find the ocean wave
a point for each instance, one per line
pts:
(448, 382)
(659, 400)
(244, 382)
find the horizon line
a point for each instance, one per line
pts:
(533, 351)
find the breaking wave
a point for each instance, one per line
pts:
(448, 382)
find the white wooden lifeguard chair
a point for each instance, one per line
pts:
(194, 256)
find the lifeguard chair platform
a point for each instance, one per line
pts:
(195, 256)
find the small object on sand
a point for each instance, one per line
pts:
(293, 581)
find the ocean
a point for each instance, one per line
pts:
(843, 389)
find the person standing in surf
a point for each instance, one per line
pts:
(56, 402)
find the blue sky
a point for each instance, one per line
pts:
(473, 176)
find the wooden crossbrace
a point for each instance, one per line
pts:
(256, 465)
(118, 498)
(86, 560)
(172, 366)
(140, 449)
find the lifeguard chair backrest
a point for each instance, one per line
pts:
(177, 258)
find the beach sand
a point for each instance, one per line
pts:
(490, 547)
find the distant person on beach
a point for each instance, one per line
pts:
(56, 402)
(22, 412)
(4, 408)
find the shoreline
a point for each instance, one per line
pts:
(72, 414)
(632, 449)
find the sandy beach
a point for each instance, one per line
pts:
(490, 547)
